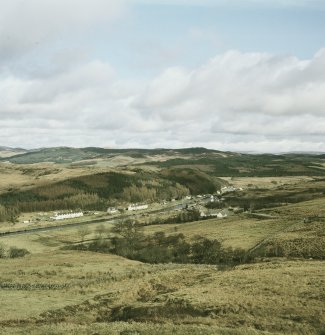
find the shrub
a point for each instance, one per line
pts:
(206, 251)
(2, 251)
(15, 252)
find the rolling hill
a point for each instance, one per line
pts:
(213, 162)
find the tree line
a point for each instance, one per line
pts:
(93, 192)
(130, 242)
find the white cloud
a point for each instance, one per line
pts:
(236, 101)
(237, 82)
(167, 89)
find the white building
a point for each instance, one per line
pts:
(67, 216)
(227, 189)
(219, 215)
(112, 210)
(136, 207)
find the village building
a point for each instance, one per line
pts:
(227, 189)
(137, 207)
(67, 216)
(112, 210)
(219, 214)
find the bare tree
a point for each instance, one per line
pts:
(100, 230)
(83, 231)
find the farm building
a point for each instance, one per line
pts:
(112, 210)
(67, 216)
(137, 207)
(219, 214)
(228, 189)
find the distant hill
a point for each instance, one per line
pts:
(9, 152)
(66, 155)
(212, 162)
(55, 155)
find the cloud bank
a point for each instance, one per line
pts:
(235, 101)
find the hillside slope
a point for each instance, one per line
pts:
(87, 293)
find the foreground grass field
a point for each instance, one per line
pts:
(85, 293)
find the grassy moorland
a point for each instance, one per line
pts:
(80, 292)
(167, 270)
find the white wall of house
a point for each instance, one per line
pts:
(137, 207)
(112, 210)
(67, 216)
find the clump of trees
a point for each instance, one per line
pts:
(2, 251)
(130, 242)
(8, 213)
(188, 215)
(15, 252)
(12, 252)
(196, 181)
(214, 205)
(141, 193)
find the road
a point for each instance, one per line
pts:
(82, 223)
(49, 228)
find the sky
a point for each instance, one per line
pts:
(238, 75)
